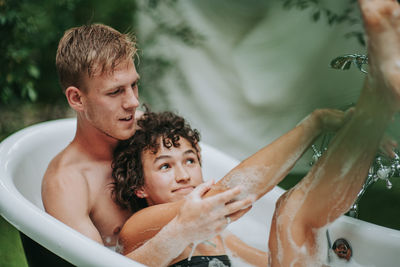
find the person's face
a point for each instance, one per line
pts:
(170, 174)
(111, 99)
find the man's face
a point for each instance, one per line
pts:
(111, 99)
(170, 174)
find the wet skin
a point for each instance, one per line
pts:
(76, 187)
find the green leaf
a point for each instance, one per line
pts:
(33, 71)
(3, 19)
(29, 91)
(316, 15)
(32, 94)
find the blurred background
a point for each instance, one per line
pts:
(242, 72)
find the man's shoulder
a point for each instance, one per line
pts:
(66, 168)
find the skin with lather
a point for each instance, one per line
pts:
(77, 185)
(333, 183)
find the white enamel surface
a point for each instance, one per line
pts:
(24, 157)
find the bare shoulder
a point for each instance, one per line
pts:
(64, 169)
(63, 182)
(77, 190)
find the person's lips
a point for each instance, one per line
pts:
(127, 118)
(183, 189)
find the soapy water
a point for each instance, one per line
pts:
(255, 180)
(246, 179)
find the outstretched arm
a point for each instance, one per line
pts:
(262, 171)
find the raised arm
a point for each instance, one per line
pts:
(262, 171)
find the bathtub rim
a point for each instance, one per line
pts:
(12, 201)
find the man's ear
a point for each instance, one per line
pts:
(141, 193)
(74, 97)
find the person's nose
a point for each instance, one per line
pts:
(181, 174)
(130, 100)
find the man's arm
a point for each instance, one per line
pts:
(67, 199)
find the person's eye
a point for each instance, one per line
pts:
(115, 92)
(190, 161)
(164, 166)
(133, 85)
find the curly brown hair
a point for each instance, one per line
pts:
(127, 168)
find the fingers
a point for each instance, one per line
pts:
(238, 205)
(225, 197)
(237, 209)
(238, 214)
(201, 189)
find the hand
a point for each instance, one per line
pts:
(201, 219)
(332, 119)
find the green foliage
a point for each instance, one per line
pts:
(154, 67)
(30, 31)
(349, 15)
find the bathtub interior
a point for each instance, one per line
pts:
(25, 155)
(33, 159)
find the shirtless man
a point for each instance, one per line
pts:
(333, 183)
(98, 76)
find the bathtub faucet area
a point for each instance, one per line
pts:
(383, 168)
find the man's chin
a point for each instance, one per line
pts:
(122, 136)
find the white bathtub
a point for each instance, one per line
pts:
(23, 160)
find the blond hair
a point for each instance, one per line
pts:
(89, 50)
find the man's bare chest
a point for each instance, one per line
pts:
(107, 216)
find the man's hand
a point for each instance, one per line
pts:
(203, 218)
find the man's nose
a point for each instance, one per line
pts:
(130, 100)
